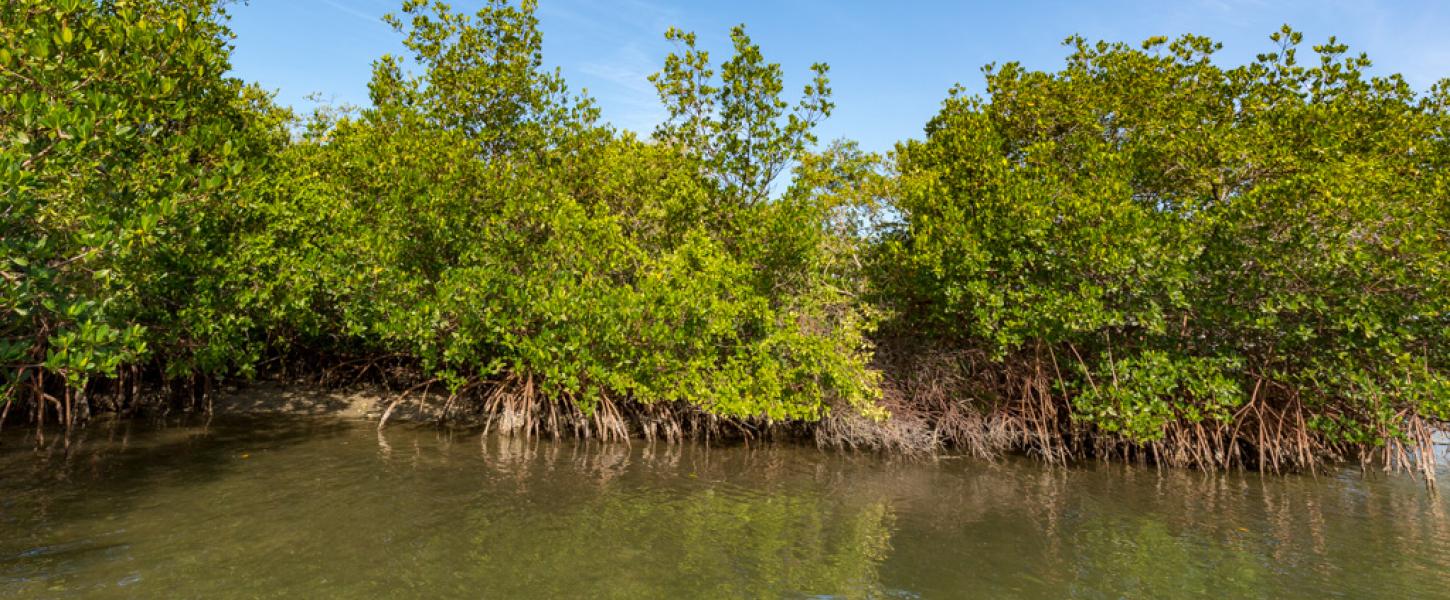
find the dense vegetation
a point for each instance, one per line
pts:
(1145, 254)
(1188, 259)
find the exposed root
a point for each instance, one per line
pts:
(946, 400)
(514, 406)
(404, 396)
(938, 401)
(958, 400)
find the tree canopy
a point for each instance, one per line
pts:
(1145, 252)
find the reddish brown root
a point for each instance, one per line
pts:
(942, 400)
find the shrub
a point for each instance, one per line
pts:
(1165, 245)
(133, 169)
(488, 227)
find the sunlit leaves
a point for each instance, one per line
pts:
(738, 126)
(129, 160)
(486, 226)
(1189, 237)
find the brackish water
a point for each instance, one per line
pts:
(307, 508)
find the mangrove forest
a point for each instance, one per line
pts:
(1144, 255)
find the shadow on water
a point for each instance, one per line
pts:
(302, 507)
(110, 466)
(308, 508)
(113, 459)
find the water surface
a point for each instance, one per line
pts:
(312, 508)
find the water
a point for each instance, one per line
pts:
(318, 508)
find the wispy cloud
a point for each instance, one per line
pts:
(376, 19)
(617, 45)
(625, 78)
(620, 21)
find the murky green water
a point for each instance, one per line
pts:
(313, 509)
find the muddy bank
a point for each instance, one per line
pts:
(510, 407)
(933, 411)
(360, 402)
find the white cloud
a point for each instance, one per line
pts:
(350, 10)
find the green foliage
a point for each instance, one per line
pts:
(1191, 237)
(737, 127)
(484, 224)
(1143, 394)
(482, 77)
(1146, 238)
(131, 170)
(475, 219)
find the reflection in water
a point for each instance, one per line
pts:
(241, 508)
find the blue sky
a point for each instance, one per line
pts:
(891, 62)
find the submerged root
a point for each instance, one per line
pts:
(515, 407)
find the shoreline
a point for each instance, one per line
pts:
(361, 402)
(512, 412)
(368, 402)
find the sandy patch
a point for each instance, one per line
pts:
(359, 402)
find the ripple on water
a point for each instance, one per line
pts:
(245, 508)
